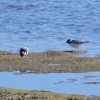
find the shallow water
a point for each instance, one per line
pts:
(68, 83)
(47, 24)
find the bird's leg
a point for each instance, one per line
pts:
(78, 50)
(75, 49)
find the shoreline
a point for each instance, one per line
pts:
(48, 62)
(18, 94)
(9, 93)
(45, 62)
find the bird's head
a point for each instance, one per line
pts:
(68, 41)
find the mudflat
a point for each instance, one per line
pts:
(48, 62)
(45, 62)
(12, 94)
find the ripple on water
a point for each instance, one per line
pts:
(46, 25)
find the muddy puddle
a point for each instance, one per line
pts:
(67, 83)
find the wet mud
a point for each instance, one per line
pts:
(12, 94)
(48, 62)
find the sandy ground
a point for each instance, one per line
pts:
(45, 62)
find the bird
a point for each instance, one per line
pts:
(24, 51)
(76, 43)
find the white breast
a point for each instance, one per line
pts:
(75, 45)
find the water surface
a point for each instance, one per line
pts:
(47, 24)
(67, 83)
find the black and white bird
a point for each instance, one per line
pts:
(24, 51)
(76, 43)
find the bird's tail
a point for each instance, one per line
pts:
(86, 42)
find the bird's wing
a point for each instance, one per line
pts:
(77, 41)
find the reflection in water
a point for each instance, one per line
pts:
(78, 53)
(70, 83)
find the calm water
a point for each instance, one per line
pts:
(47, 24)
(70, 83)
